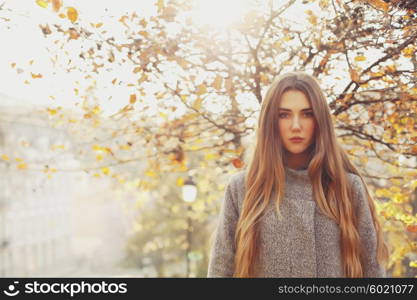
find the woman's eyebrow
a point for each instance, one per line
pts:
(304, 109)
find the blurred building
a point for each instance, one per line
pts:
(67, 224)
(35, 222)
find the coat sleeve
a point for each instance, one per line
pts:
(221, 261)
(367, 232)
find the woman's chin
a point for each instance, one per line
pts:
(297, 150)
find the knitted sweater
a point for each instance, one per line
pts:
(303, 243)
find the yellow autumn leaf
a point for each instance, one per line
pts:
(193, 147)
(175, 209)
(312, 19)
(160, 5)
(391, 68)
(382, 193)
(22, 165)
(105, 170)
(364, 159)
(163, 115)
(409, 51)
(377, 74)
(180, 181)
(211, 156)
(72, 14)
(143, 33)
(277, 45)
(229, 150)
(98, 25)
(395, 189)
(264, 78)
(5, 157)
(56, 5)
(51, 111)
(143, 78)
(324, 3)
(99, 157)
(183, 98)
(201, 89)
(132, 99)
(54, 147)
(150, 173)
(96, 110)
(47, 170)
(197, 103)
(97, 148)
(159, 96)
(34, 76)
(217, 83)
(398, 198)
(360, 58)
(43, 4)
(380, 4)
(413, 91)
(73, 34)
(354, 75)
(143, 23)
(239, 150)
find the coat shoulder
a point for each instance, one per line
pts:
(358, 190)
(353, 178)
(237, 187)
(237, 180)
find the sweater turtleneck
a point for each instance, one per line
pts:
(298, 177)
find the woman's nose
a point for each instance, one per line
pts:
(295, 123)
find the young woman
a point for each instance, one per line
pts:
(301, 209)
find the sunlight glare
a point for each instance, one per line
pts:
(219, 13)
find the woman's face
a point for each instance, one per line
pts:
(296, 119)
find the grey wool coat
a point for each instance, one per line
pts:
(303, 243)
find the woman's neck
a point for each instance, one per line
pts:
(297, 161)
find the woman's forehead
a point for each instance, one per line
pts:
(294, 100)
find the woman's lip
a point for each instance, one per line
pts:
(296, 139)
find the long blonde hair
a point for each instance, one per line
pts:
(327, 169)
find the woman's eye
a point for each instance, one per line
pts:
(284, 115)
